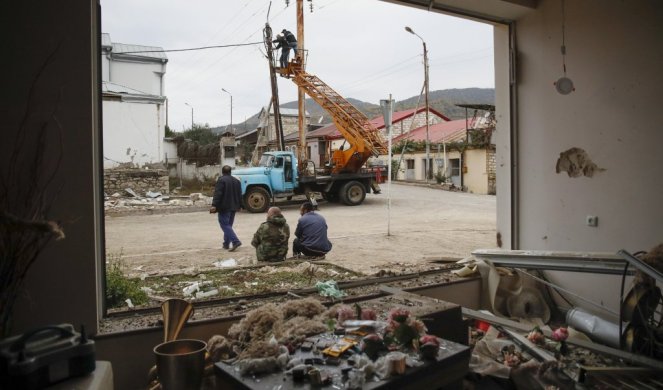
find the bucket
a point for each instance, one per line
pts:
(180, 364)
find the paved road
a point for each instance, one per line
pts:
(424, 223)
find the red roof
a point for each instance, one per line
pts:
(331, 132)
(439, 132)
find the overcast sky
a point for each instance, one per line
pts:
(358, 47)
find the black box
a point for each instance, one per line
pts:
(44, 356)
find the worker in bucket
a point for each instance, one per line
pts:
(282, 44)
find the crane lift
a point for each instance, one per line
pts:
(343, 178)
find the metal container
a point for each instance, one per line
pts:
(595, 327)
(181, 364)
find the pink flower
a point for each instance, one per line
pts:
(345, 313)
(429, 339)
(560, 334)
(369, 315)
(399, 315)
(536, 336)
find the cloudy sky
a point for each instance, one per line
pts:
(358, 47)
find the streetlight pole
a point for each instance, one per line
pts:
(231, 109)
(408, 29)
(191, 114)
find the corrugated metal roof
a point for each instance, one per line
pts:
(331, 132)
(139, 51)
(439, 132)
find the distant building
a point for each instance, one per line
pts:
(324, 141)
(462, 151)
(263, 137)
(134, 111)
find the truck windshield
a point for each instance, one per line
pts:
(266, 160)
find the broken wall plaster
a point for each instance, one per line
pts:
(576, 162)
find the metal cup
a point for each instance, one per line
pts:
(181, 364)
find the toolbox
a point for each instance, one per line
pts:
(45, 356)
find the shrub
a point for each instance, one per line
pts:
(440, 178)
(119, 288)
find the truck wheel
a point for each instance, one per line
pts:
(256, 200)
(352, 193)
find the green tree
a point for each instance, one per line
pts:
(202, 134)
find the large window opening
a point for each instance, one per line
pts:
(168, 115)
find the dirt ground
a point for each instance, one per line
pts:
(425, 224)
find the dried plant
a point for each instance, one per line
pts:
(26, 195)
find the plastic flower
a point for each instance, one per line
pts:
(536, 336)
(345, 313)
(369, 315)
(560, 334)
(399, 315)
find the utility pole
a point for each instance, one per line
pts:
(267, 33)
(300, 91)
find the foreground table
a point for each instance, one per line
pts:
(445, 372)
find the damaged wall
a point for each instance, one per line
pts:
(612, 115)
(139, 180)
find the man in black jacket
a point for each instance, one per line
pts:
(292, 41)
(227, 200)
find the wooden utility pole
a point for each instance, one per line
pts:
(278, 125)
(299, 56)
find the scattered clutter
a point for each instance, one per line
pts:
(152, 201)
(344, 346)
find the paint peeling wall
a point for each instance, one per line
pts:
(615, 62)
(133, 133)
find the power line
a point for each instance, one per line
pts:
(189, 49)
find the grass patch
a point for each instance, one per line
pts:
(119, 288)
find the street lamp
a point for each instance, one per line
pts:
(231, 108)
(408, 29)
(191, 114)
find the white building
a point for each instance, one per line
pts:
(134, 111)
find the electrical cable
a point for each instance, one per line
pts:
(189, 49)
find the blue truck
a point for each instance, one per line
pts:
(276, 177)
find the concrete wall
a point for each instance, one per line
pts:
(133, 133)
(64, 283)
(143, 76)
(615, 61)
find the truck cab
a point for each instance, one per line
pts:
(275, 176)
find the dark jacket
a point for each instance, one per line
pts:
(312, 232)
(282, 43)
(271, 239)
(227, 194)
(290, 37)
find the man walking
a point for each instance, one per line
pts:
(227, 200)
(271, 239)
(311, 233)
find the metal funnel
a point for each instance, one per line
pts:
(176, 312)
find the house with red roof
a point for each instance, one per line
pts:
(323, 141)
(461, 153)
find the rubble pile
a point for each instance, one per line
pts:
(130, 201)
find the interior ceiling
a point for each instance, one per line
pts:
(500, 11)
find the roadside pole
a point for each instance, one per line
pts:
(387, 110)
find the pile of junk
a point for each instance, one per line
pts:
(535, 332)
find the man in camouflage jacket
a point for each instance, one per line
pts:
(271, 239)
